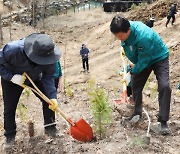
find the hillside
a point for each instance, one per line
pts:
(91, 27)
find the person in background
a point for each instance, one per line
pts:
(150, 23)
(171, 14)
(84, 52)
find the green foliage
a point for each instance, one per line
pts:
(69, 92)
(101, 111)
(170, 50)
(143, 4)
(22, 111)
(27, 93)
(136, 141)
(154, 90)
(135, 7)
(91, 84)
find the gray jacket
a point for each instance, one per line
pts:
(14, 61)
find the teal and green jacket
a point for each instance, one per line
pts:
(58, 70)
(143, 47)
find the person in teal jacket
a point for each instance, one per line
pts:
(146, 50)
(57, 76)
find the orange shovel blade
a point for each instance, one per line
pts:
(81, 131)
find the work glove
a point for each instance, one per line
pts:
(127, 78)
(128, 68)
(53, 105)
(18, 79)
(121, 72)
(123, 53)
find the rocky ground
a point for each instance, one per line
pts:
(69, 31)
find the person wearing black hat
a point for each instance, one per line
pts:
(36, 55)
(171, 14)
(84, 54)
(150, 23)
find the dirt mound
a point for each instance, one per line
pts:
(158, 10)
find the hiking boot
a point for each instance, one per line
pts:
(52, 131)
(164, 128)
(9, 143)
(135, 118)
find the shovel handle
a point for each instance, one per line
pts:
(46, 99)
(124, 68)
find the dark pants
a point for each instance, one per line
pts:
(11, 95)
(169, 18)
(85, 61)
(129, 91)
(56, 82)
(161, 70)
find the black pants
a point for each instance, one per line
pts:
(56, 82)
(11, 95)
(169, 18)
(129, 91)
(85, 61)
(161, 70)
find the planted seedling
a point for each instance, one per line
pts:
(100, 109)
(22, 111)
(68, 90)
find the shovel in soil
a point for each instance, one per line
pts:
(124, 95)
(79, 130)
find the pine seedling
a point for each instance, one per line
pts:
(154, 90)
(22, 111)
(101, 111)
(69, 92)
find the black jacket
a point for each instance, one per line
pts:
(14, 61)
(172, 11)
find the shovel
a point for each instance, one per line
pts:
(124, 95)
(79, 130)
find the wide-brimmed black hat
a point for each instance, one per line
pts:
(40, 49)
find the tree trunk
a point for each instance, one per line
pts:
(1, 34)
(44, 13)
(33, 14)
(10, 25)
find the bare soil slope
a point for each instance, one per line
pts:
(92, 28)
